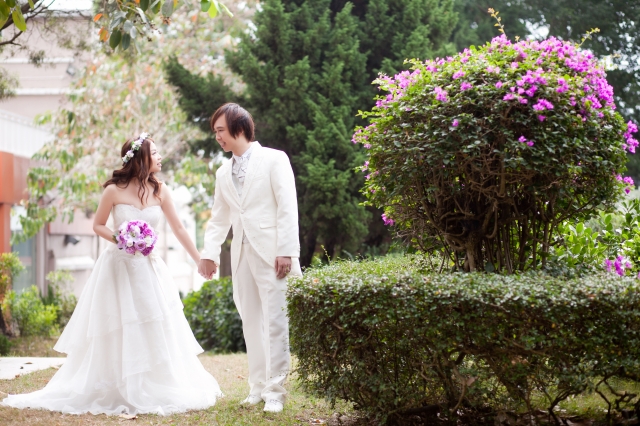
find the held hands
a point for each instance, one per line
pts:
(283, 266)
(207, 268)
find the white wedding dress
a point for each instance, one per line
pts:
(128, 344)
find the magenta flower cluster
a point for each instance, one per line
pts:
(630, 142)
(522, 139)
(628, 181)
(136, 237)
(543, 104)
(387, 220)
(398, 84)
(620, 264)
(441, 94)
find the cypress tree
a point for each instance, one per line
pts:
(307, 68)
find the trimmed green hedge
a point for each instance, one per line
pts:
(213, 317)
(396, 339)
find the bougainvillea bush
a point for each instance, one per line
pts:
(484, 154)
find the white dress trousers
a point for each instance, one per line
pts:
(260, 298)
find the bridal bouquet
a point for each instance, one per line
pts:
(136, 237)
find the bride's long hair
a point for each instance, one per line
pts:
(136, 168)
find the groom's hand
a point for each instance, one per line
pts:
(283, 266)
(207, 268)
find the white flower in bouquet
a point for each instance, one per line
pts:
(134, 231)
(136, 237)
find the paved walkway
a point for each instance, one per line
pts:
(12, 367)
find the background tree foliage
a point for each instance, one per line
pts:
(307, 69)
(44, 20)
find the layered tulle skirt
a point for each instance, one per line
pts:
(129, 347)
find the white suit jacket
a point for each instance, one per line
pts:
(266, 212)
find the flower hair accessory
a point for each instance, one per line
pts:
(135, 145)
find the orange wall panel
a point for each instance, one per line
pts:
(21, 166)
(5, 228)
(7, 178)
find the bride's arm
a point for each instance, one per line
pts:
(175, 223)
(102, 214)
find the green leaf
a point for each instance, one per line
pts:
(213, 10)
(11, 3)
(33, 6)
(114, 40)
(141, 13)
(144, 5)
(155, 6)
(116, 21)
(167, 8)
(205, 5)
(5, 12)
(18, 19)
(126, 41)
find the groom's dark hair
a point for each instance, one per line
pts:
(238, 120)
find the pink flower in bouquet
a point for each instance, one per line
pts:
(136, 236)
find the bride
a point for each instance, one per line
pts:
(129, 347)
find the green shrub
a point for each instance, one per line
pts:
(609, 242)
(214, 318)
(60, 296)
(31, 315)
(10, 267)
(5, 345)
(395, 339)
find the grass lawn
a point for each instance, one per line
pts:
(230, 371)
(34, 346)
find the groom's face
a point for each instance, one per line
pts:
(224, 138)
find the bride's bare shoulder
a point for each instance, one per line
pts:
(164, 191)
(112, 188)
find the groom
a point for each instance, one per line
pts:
(256, 195)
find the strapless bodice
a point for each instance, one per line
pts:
(126, 212)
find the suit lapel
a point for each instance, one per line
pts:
(254, 165)
(229, 181)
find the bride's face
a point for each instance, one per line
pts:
(156, 159)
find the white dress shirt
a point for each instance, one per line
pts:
(238, 173)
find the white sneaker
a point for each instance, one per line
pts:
(251, 400)
(273, 406)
